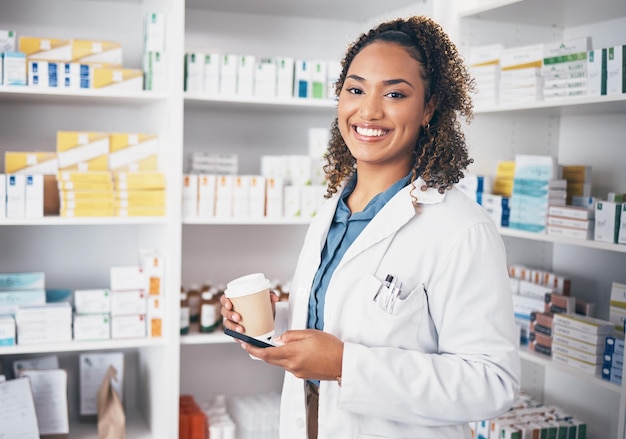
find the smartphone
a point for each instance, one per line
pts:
(253, 341)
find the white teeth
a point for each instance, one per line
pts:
(370, 132)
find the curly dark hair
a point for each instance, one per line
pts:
(440, 152)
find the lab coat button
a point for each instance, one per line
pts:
(300, 422)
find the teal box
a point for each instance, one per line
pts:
(22, 281)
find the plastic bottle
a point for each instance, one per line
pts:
(209, 311)
(184, 313)
(193, 294)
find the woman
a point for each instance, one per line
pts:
(400, 313)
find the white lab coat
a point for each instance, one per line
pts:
(448, 353)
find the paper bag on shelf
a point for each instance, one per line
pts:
(111, 417)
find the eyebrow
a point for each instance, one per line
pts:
(386, 82)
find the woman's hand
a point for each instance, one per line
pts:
(307, 353)
(232, 319)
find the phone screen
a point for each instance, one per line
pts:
(243, 337)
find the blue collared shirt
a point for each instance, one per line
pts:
(343, 231)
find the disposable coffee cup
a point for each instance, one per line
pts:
(250, 296)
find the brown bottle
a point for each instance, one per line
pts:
(184, 313)
(193, 294)
(209, 311)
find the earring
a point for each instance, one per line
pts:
(427, 126)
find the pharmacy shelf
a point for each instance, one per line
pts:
(546, 361)
(619, 248)
(82, 221)
(581, 105)
(246, 221)
(199, 100)
(76, 346)
(101, 97)
(559, 13)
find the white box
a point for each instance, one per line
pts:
(14, 68)
(92, 326)
(16, 195)
(302, 79)
(206, 195)
(127, 278)
(615, 74)
(241, 196)
(245, 75)
(7, 41)
(154, 32)
(265, 79)
(92, 301)
(293, 201)
(93, 368)
(38, 74)
(211, 82)
(333, 71)
(256, 197)
(318, 80)
(583, 323)
(34, 196)
(228, 74)
(155, 71)
(284, 77)
(596, 72)
(132, 326)
(153, 268)
(190, 195)
(274, 197)
(224, 196)
(607, 222)
(194, 72)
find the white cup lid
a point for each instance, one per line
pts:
(250, 284)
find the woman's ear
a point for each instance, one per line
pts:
(429, 111)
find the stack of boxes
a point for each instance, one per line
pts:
(608, 221)
(12, 62)
(47, 323)
(78, 179)
(92, 314)
(484, 66)
(579, 341)
(570, 221)
(578, 181)
(565, 68)
(535, 188)
(617, 306)
(236, 75)
(154, 59)
(16, 290)
(521, 80)
(528, 418)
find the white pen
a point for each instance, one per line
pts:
(387, 283)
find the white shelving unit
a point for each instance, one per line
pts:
(585, 130)
(78, 252)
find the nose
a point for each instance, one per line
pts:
(371, 107)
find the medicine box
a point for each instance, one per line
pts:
(302, 79)
(16, 196)
(590, 325)
(36, 162)
(228, 74)
(194, 72)
(77, 149)
(133, 152)
(155, 71)
(33, 196)
(127, 278)
(128, 326)
(7, 330)
(616, 75)
(245, 75)
(43, 48)
(284, 77)
(607, 221)
(190, 195)
(596, 72)
(154, 32)
(112, 78)
(92, 326)
(14, 68)
(206, 197)
(128, 302)
(7, 40)
(92, 301)
(210, 82)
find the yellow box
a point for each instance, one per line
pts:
(139, 180)
(94, 51)
(142, 197)
(87, 177)
(116, 78)
(30, 162)
(133, 151)
(85, 186)
(82, 150)
(52, 49)
(505, 169)
(136, 204)
(86, 195)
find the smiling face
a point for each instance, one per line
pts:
(382, 108)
